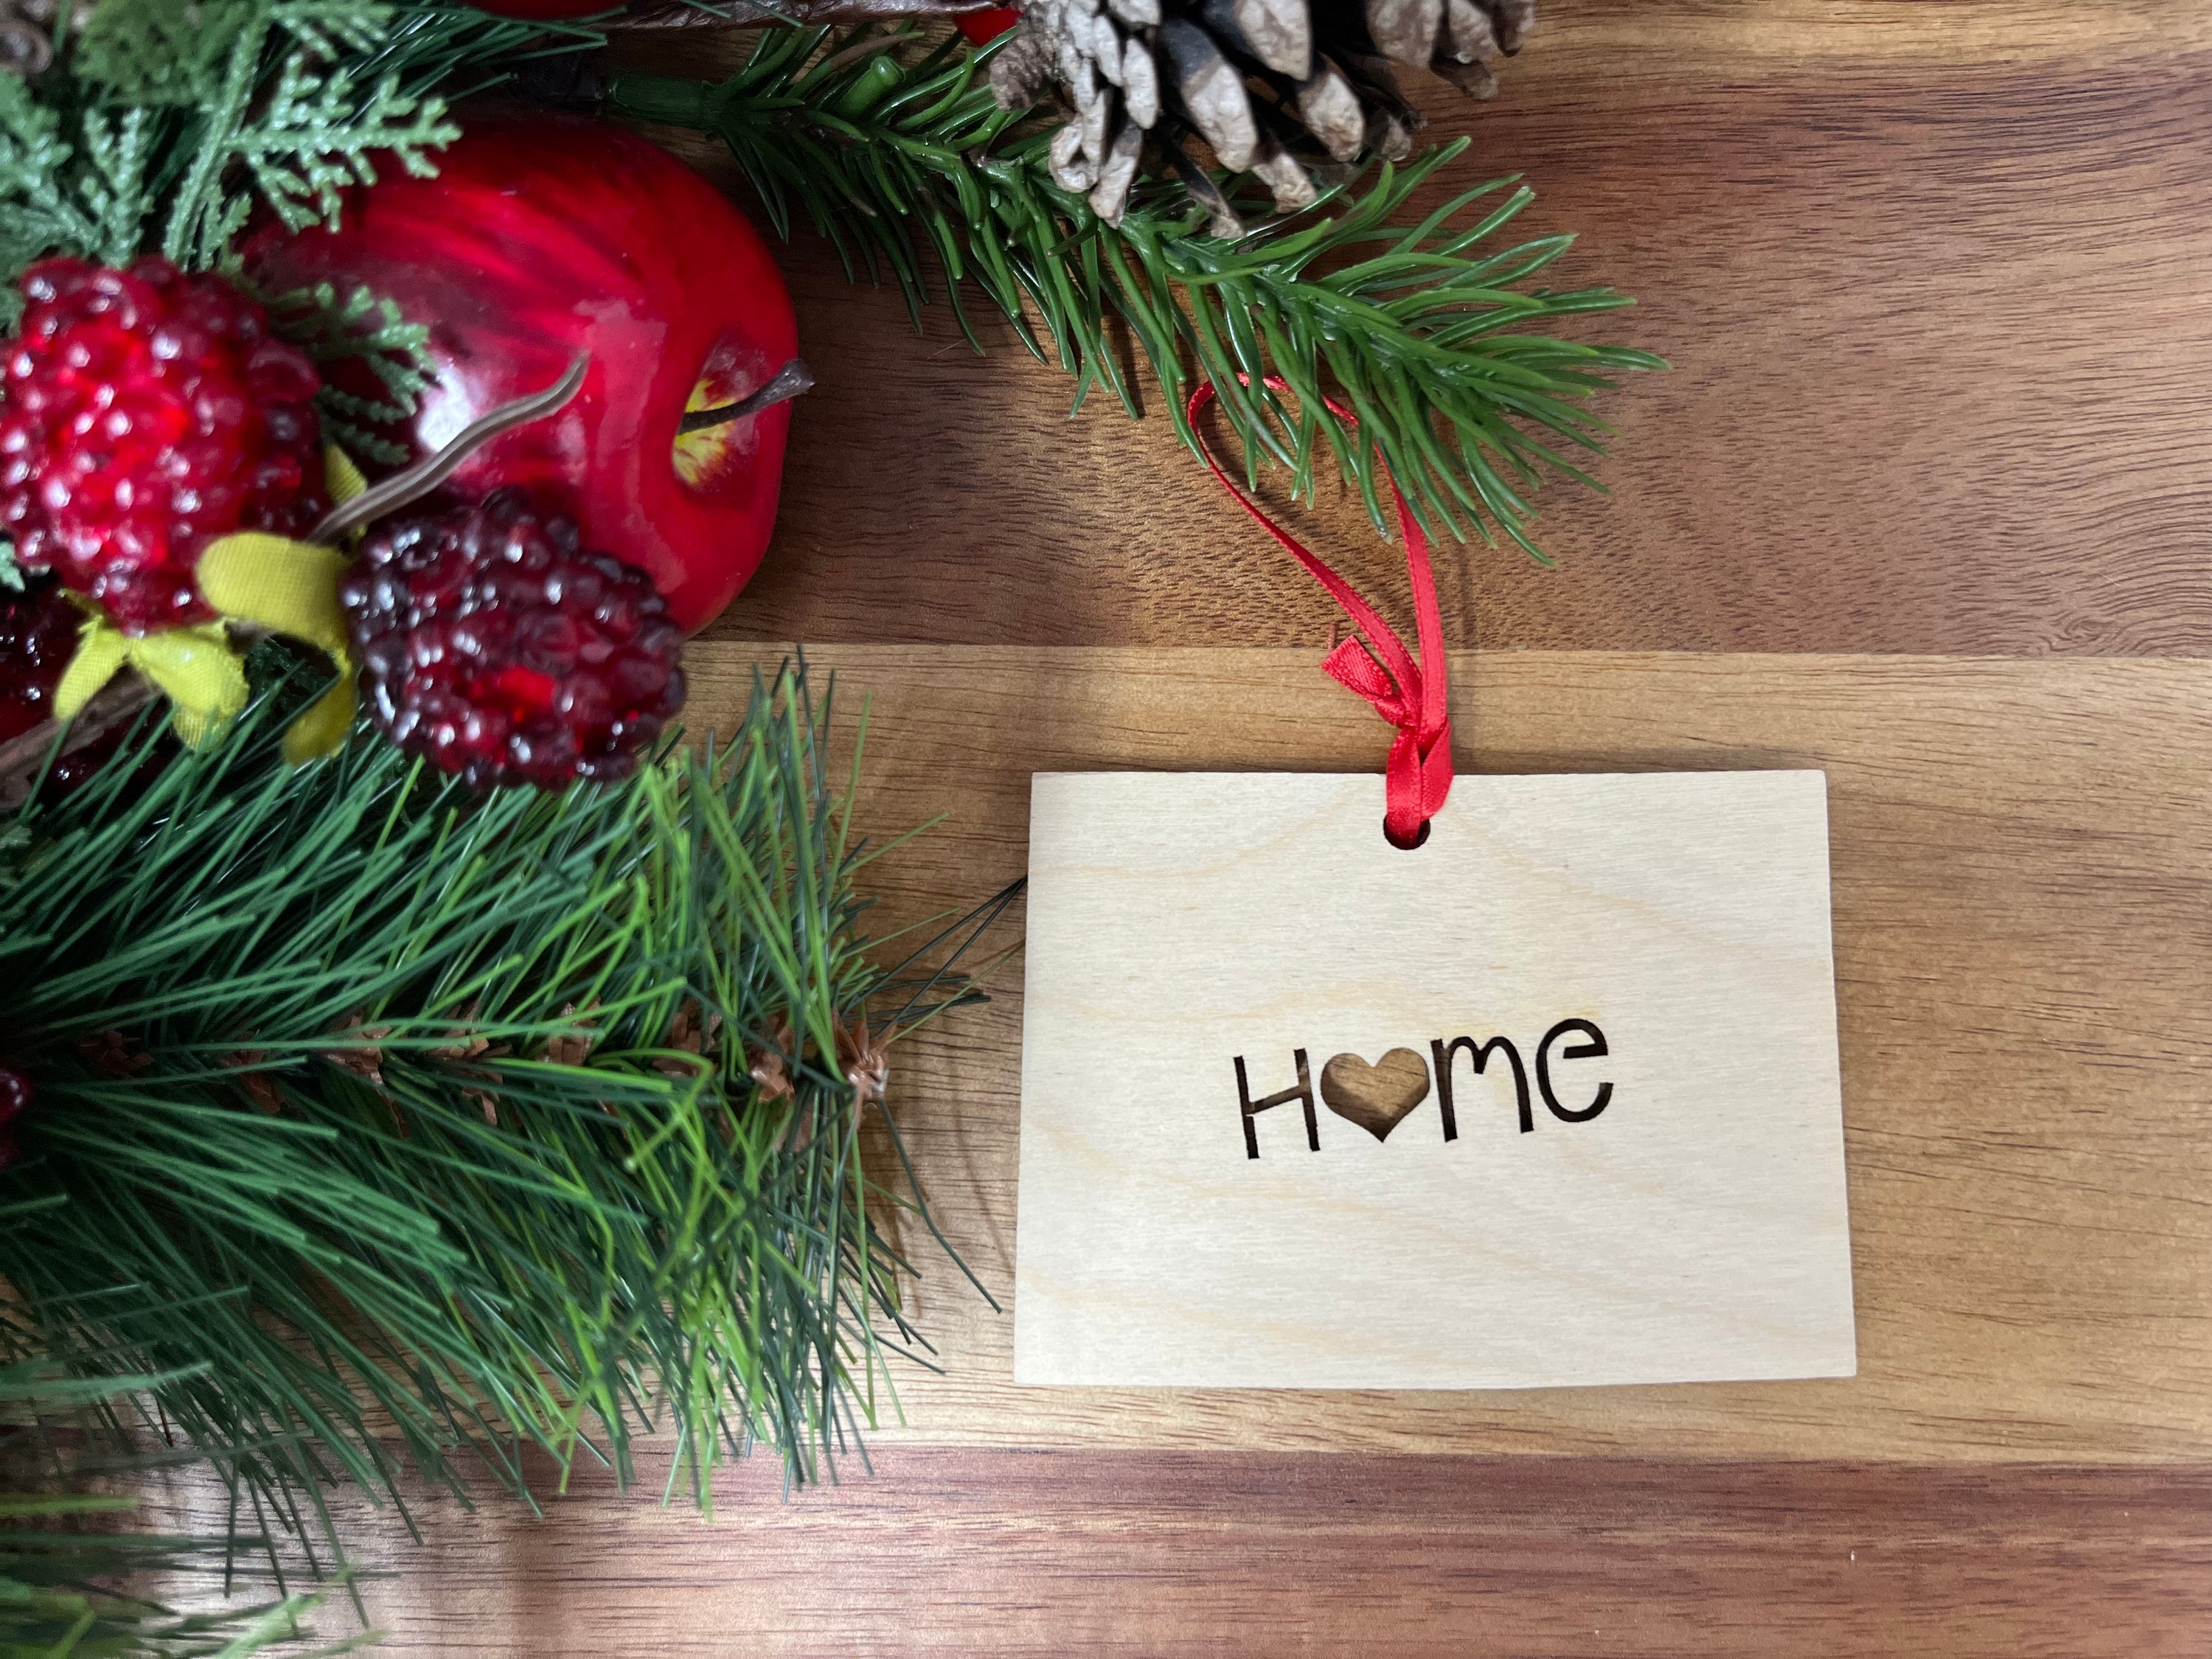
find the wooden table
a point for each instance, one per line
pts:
(1927, 501)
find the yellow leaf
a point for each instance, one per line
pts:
(323, 726)
(267, 581)
(198, 671)
(279, 585)
(340, 476)
(288, 587)
(101, 649)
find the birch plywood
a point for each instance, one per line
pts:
(2022, 884)
(1643, 1183)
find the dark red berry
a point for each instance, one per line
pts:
(492, 644)
(144, 413)
(17, 1091)
(38, 633)
(73, 770)
(37, 636)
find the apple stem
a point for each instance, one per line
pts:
(787, 383)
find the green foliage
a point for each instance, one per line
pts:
(162, 124)
(1422, 329)
(51, 197)
(66, 1569)
(364, 326)
(413, 1112)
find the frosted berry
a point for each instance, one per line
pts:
(37, 636)
(17, 1092)
(39, 632)
(144, 413)
(492, 644)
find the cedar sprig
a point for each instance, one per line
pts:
(421, 1113)
(160, 126)
(370, 329)
(1429, 332)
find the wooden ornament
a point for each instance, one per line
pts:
(1553, 1098)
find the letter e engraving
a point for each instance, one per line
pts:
(1590, 1050)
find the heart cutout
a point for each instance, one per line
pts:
(1376, 1098)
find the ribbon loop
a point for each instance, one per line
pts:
(1413, 696)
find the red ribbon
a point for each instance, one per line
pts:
(1419, 773)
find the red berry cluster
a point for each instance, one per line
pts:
(144, 413)
(492, 644)
(17, 1092)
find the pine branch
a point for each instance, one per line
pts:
(298, 134)
(364, 326)
(317, 133)
(1424, 330)
(43, 193)
(403, 1105)
(68, 1572)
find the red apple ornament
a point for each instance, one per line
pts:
(545, 236)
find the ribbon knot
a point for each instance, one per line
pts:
(1417, 776)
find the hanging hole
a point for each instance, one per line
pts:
(1421, 837)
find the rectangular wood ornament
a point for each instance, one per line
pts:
(1551, 1099)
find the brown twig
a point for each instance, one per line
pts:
(425, 476)
(23, 755)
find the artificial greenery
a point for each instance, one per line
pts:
(369, 328)
(67, 1553)
(1422, 329)
(161, 127)
(486, 1123)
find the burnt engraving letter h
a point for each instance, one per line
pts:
(1302, 1090)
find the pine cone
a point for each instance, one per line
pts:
(26, 29)
(1272, 88)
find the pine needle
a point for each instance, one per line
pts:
(408, 1116)
(1423, 330)
(67, 1555)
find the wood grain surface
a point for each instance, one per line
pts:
(2022, 887)
(1931, 277)
(1934, 280)
(1184, 1555)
